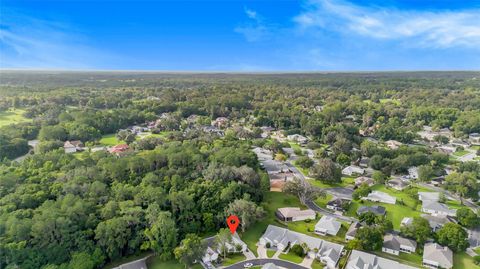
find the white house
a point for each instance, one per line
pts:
(406, 221)
(72, 146)
(398, 184)
(435, 208)
(294, 214)
(279, 238)
(394, 244)
(382, 197)
(474, 138)
(393, 144)
(353, 170)
(437, 256)
(413, 172)
(364, 180)
(363, 260)
(298, 138)
(327, 225)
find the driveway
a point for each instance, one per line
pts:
(341, 192)
(260, 262)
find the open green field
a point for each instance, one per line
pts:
(110, 140)
(412, 259)
(12, 116)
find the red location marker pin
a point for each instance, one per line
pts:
(233, 223)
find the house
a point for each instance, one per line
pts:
(406, 221)
(213, 250)
(338, 204)
(364, 180)
(353, 170)
(376, 209)
(382, 197)
(363, 260)
(435, 208)
(393, 144)
(474, 138)
(298, 138)
(119, 149)
(327, 226)
(280, 238)
(428, 196)
(437, 256)
(364, 162)
(352, 231)
(394, 244)
(437, 222)
(72, 146)
(447, 149)
(294, 214)
(398, 184)
(413, 172)
(220, 122)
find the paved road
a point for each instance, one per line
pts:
(451, 196)
(315, 207)
(341, 192)
(255, 262)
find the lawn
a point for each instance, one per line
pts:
(463, 261)
(396, 212)
(233, 258)
(317, 265)
(291, 257)
(345, 182)
(110, 140)
(412, 259)
(272, 201)
(12, 116)
(270, 253)
(461, 153)
(322, 201)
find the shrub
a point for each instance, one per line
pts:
(298, 250)
(267, 245)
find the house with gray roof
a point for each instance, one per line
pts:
(437, 222)
(394, 244)
(398, 184)
(353, 170)
(280, 238)
(327, 226)
(376, 209)
(352, 231)
(363, 260)
(428, 196)
(437, 256)
(436, 209)
(382, 197)
(294, 214)
(364, 180)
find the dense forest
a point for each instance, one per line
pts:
(58, 209)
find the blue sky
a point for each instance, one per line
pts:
(309, 35)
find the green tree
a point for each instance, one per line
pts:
(248, 212)
(190, 249)
(327, 171)
(303, 190)
(453, 236)
(418, 229)
(223, 239)
(467, 218)
(161, 235)
(370, 238)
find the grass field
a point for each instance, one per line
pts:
(345, 182)
(12, 116)
(110, 140)
(270, 253)
(461, 153)
(291, 257)
(463, 261)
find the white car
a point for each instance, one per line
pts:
(248, 265)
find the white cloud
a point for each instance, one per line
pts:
(439, 29)
(256, 28)
(31, 43)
